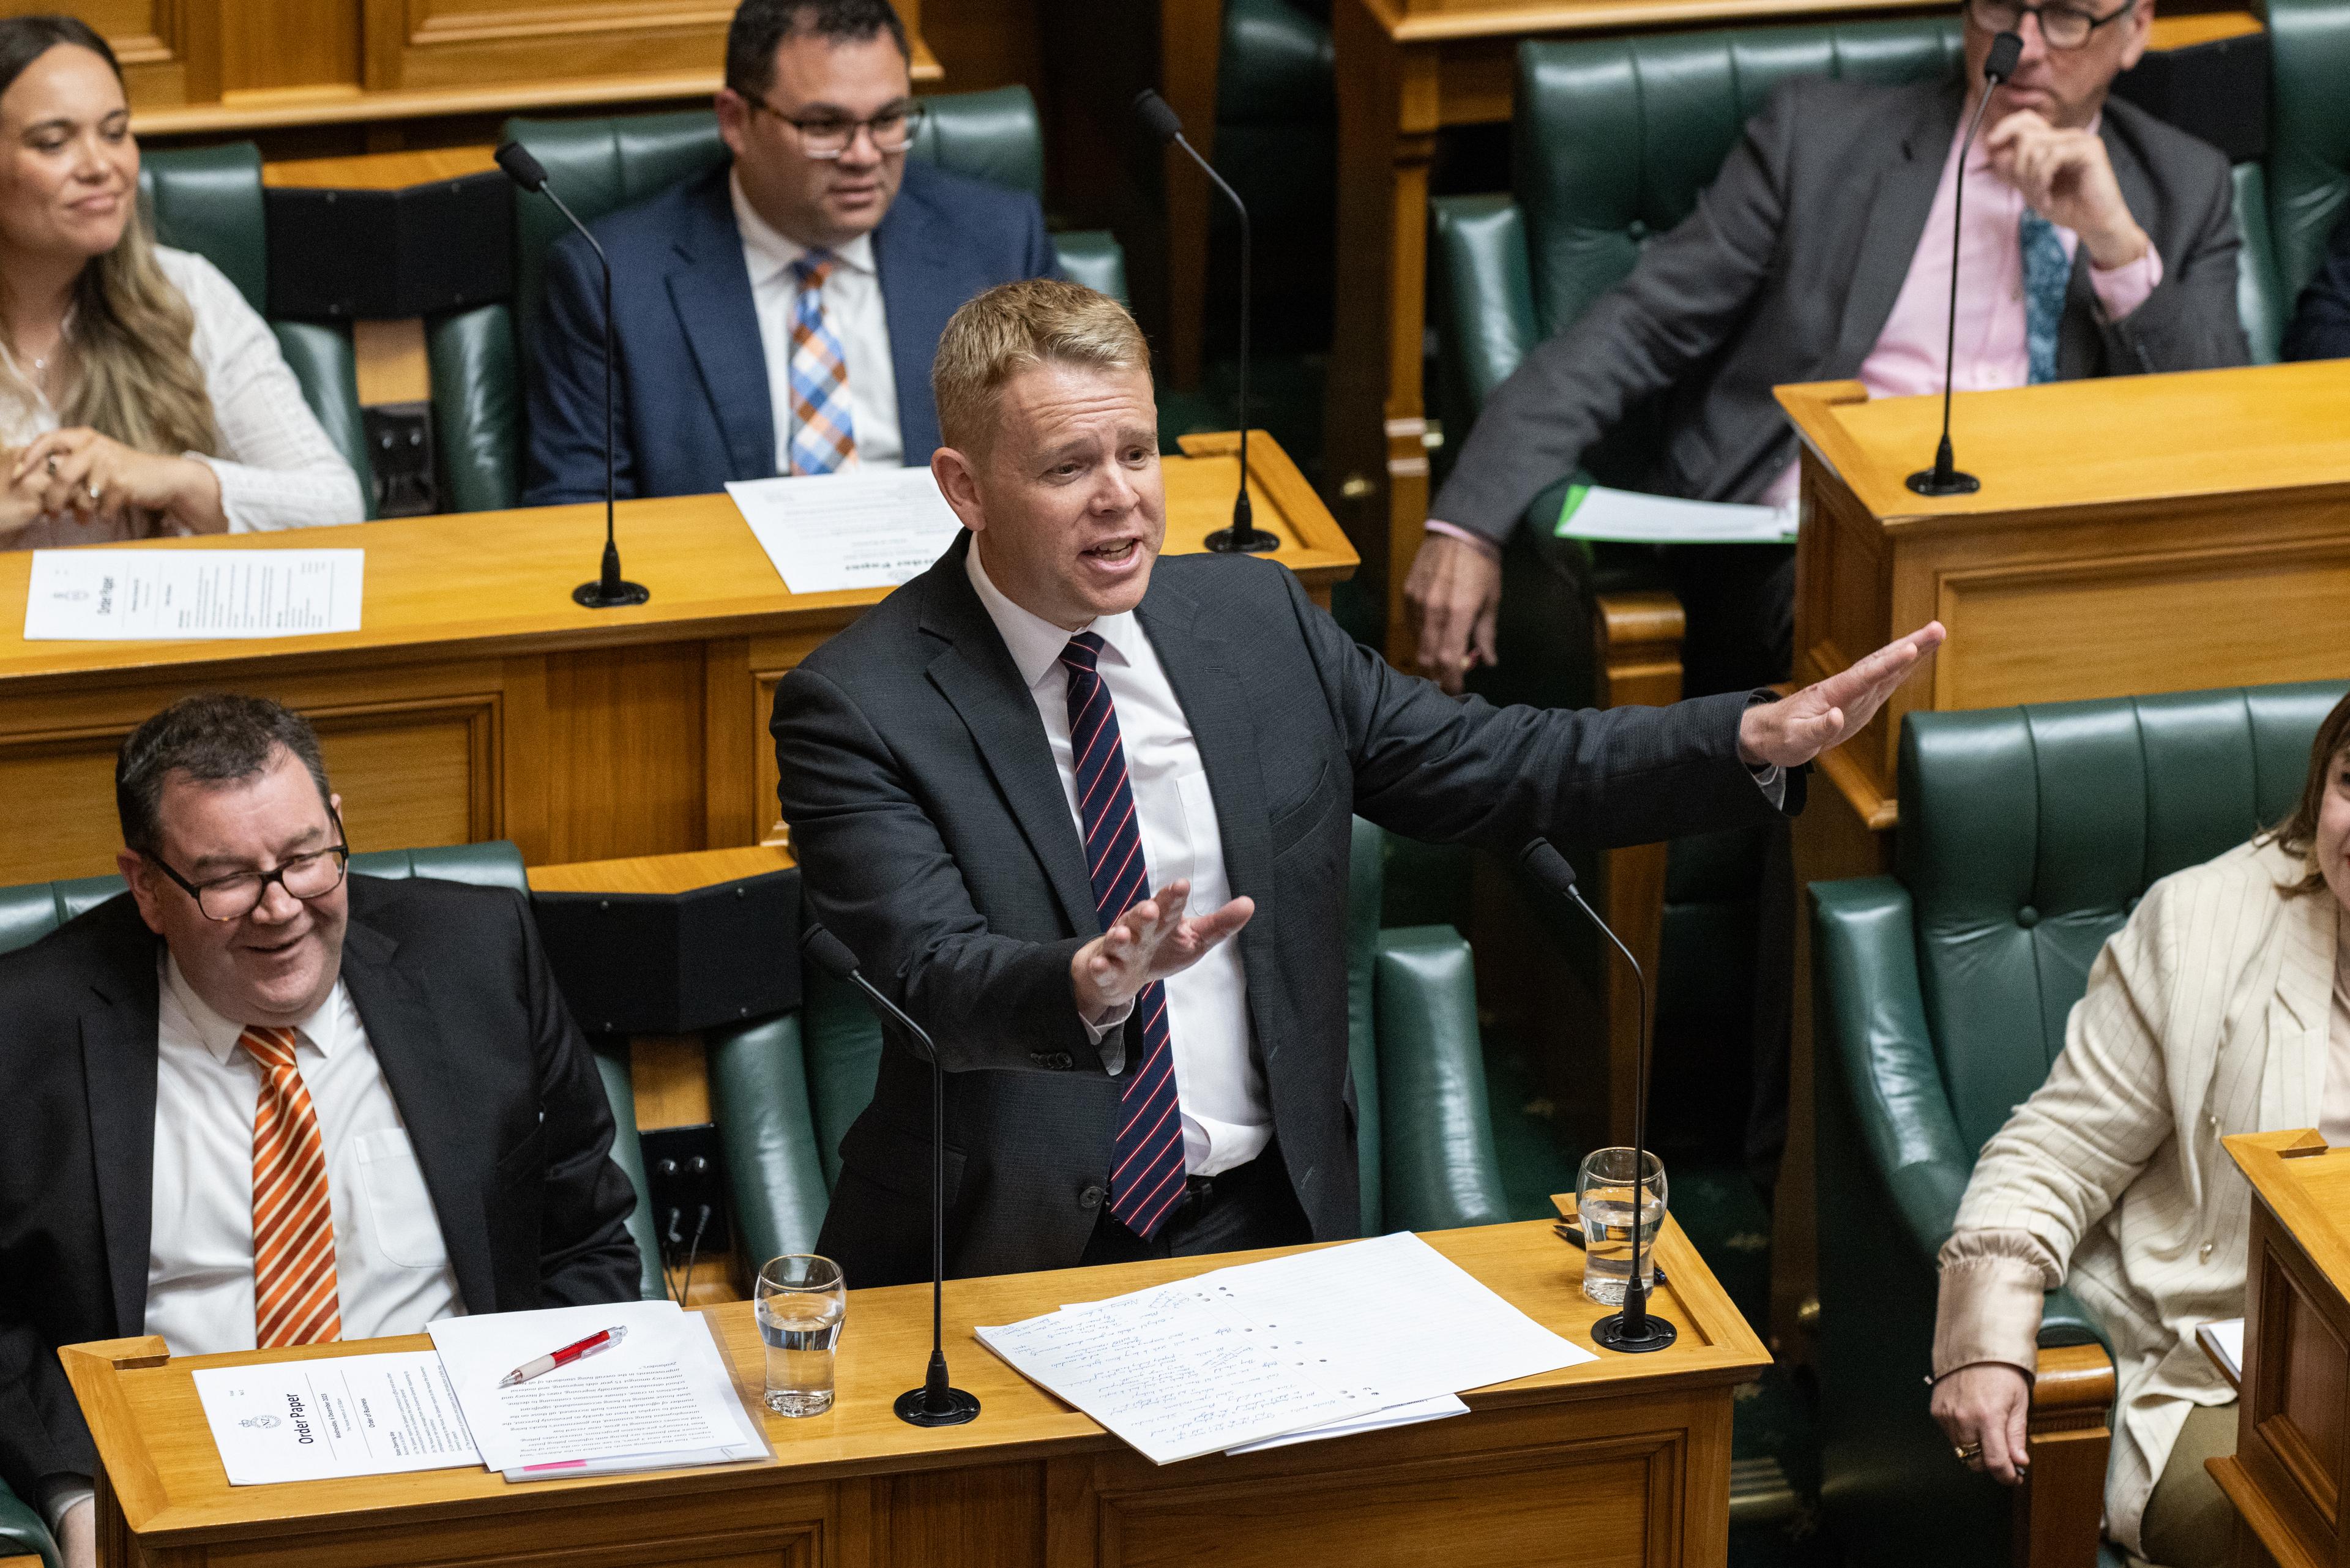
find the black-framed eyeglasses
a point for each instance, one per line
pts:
(237, 895)
(2063, 26)
(831, 135)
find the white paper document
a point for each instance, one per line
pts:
(1629, 516)
(2226, 1337)
(80, 596)
(1329, 1339)
(663, 1391)
(1410, 1415)
(867, 528)
(345, 1415)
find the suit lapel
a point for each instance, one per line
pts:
(975, 674)
(453, 1143)
(1212, 687)
(910, 250)
(119, 1058)
(1899, 205)
(709, 289)
(2292, 1078)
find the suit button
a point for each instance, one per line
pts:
(2027, 916)
(1062, 1061)
(1090, 1198)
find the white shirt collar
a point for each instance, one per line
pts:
(1035, 643)
(767, 250)
(220, 1034)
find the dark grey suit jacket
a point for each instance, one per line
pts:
(934, 839)
(1787, 271)
(494, 1084)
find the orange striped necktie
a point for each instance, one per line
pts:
(295, 1301)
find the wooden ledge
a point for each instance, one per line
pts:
(2073, 1378)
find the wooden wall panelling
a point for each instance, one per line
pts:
(735, 732)
(770, 656)
(283, 50)
(415, 43)
(150, 42)
(627, 724)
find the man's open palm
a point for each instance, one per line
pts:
(1826, 713)
(1149, 942)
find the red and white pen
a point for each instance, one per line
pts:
(563, 1357)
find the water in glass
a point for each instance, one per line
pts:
(1607, 1241)
(802, 1302)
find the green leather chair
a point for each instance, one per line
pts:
(600, 166)
(785, 1090)
(208, 199)
(2308, 180)
(1941, 997)
(23, 1533)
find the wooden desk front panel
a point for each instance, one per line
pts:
(2296, 1389)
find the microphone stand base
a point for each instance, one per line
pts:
(1608, 1334)
(593, 596)
(1926, 481)
(914, 1408)
(1233, 541)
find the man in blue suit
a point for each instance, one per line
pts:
(777, 315)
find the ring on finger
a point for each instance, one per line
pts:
(1969, 1453)
(97, 493)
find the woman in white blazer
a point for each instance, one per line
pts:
(2223, 1007)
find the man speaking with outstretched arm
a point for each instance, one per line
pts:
(1084, 813)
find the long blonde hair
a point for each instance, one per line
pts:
(135, 374)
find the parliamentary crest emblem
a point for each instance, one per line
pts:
(262, 1423)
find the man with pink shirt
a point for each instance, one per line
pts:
(2098, 241)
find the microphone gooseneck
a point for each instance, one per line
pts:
(1943, 477)
(609, 591)
(1160, 118)
(1634, 1330)
(937, 1403)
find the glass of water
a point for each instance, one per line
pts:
(800, 1302)
(1603, 1198)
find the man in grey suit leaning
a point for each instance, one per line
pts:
(1082, 813)
(2098, 241)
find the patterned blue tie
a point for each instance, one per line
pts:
(2047, 272)
(1147, 1179)
(824, 433)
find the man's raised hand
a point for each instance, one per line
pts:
(1149, 942)
(1826, 713)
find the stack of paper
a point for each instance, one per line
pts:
(661, 1397)
(1309, 1345)
(1632, 517)
(867, 528)
(347, 1416)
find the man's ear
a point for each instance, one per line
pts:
(957, 479)
(733, 118)
(141, 874)
(2141, 33)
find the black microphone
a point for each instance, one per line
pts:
(1942, 479)
(1635, 1329)
(608, 591)
(1168, 126)
(934, 1404)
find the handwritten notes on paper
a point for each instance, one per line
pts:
(1326, 1339)
(867, 528)
(117, 595)
(345, 1415)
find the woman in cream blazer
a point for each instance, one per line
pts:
(2223, 1007)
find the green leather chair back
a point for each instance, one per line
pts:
(209, 199)
(785, 1090)
(2028, 836)
(32, 912)
(2309, 132)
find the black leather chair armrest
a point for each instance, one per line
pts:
(22, 1531)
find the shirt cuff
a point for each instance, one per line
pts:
(1114, 1059)
(2125, 287)
(1772, 780)
(60, 1495)
(1484, 545)
(1989, 1311)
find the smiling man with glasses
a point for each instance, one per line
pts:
(255, 1100)
(777, 314)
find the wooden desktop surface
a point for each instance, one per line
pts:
(1639, 1432)
(478, 701)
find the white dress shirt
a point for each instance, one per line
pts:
(276, 467)
(1227, 1114)
(391, 1266)
(852, 303)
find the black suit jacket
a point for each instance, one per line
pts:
(1788, 270)
(497, 1089)
(934, 839)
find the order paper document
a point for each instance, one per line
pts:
(81, 596)
(1259, 1351)
(344, 1416)
(1631, 517)
(664, 1390)
(867, 528)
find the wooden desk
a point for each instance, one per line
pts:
(2133, 534)
(480, 702)
(2287, 1475)
(1619, 1461)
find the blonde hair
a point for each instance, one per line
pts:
(135, 376)
(1013, 327)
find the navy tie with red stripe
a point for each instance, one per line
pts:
(1146, 1177)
